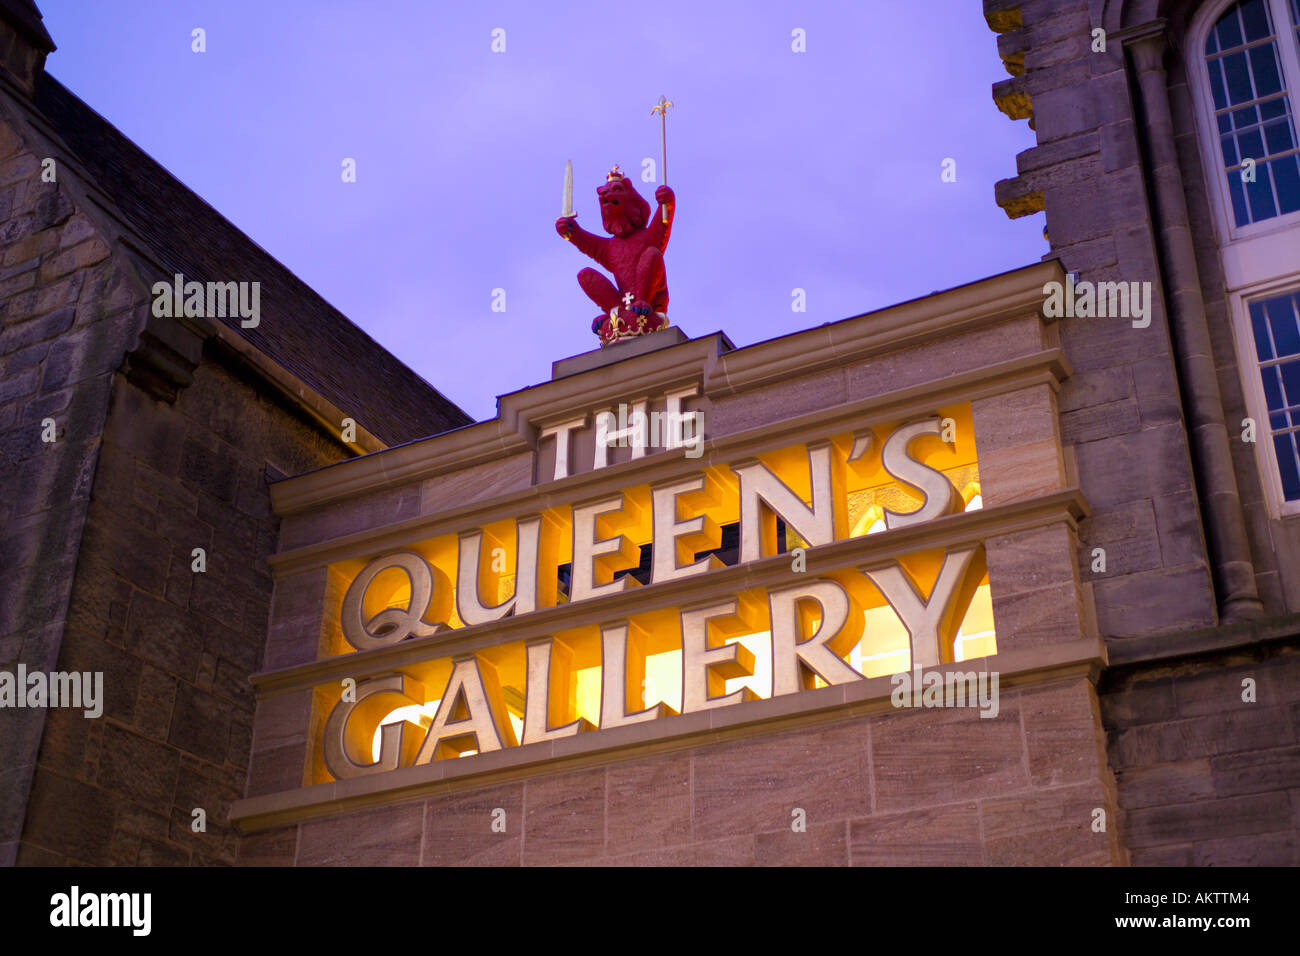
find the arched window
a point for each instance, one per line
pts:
(1253, 78)
(1245, 76)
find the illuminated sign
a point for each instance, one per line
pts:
(782, 621)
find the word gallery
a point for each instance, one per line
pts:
(555, 633)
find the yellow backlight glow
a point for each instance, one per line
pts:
(884, 650)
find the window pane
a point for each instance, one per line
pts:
(1272, 388)
(1229, 30)
(1260, 194)
(1255, 19)
(1286, 180)
(1282, 317)
(1284, 445)
(1229, 150)
(1259, 326)
(1277, 137)
(1237, 189)
(1243, 119)
(1237, 71)
(1270, 110)
(1291, 382)
(1251, 144)
(1263, 64)
(1216, 85)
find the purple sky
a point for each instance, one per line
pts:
(818, 170)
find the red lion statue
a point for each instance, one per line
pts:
(634, 252)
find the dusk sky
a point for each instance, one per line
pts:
(817, 170)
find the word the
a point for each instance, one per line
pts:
(637, 430)
(631, 427)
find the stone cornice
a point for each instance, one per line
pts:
(1080, 659)
(1175, 647)
(399, 465)
(979, 304)
(409, 463)
(1151, 31)
(703, 360)
(654, 371)
(948, 532)
(294, 390)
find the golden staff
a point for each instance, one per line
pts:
(662, 109)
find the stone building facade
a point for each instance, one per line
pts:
(127, 440)
(1139, 165)
(1132, 572)
(809, 772)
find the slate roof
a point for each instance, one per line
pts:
(299, 330)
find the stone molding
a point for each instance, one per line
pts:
(977, 305)
(366, 476)
(952, 531)
(1084, 657)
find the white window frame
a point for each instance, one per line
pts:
(1256, 403)
(1230, 234)
(1260, 259)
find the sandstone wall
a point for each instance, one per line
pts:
(69, 314)
(934, 787)
(177, 647)
(97, 531)
(1204, 777)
